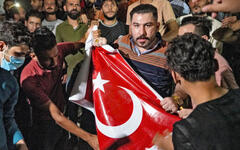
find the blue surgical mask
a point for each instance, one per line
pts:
(14, 64)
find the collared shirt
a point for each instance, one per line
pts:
(136, 50)
(41, 85)
(151, 65)
(66, 33)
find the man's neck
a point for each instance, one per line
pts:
(146, 1)
(204, 91)
(109, 22)
(72, 22)
(51, 17)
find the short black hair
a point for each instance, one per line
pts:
(14, 34)
(103, 1)
(43, 40)
(144, 8)
(65, 1)
(12, 11)
(203, 25)
(34, 13)
(192, 57)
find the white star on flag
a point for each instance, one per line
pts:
(99, 82)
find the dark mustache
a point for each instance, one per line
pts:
(74, 10)
(142, 37)
(49, 8)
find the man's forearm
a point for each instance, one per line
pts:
(67, 124)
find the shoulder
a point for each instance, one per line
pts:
(59, 21)
(124, 41)
(31, 69)
(62, 25)
(65, 45)
(7, 80)
(5, 75)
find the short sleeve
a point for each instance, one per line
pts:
(181, 137)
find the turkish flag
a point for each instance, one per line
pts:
(125, 105)
(127, 110)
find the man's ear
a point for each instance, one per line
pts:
(25, 23)
(176, 77)
(64, 7)
(2, 44)
(33, 55)
(158, 26)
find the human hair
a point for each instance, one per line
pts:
(114, 1)
(192, 57)
(203, 26)
(65, 2)
(43, 40)
(144, 8)
(5, 3)
(12, 11)
(34, 13)
(56, 3)
(14, 34)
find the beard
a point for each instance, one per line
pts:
(50, 13)
(109, 18)
(73, 15)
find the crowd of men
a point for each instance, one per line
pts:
(187, 54)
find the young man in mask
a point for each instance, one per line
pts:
(14, 44)
(14, 41)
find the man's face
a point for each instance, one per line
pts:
(196, 7)
(143, 29)
(7, 5)
(22, 12)
(109, 9)
(17, 51)
(50, 6)
(48, 59)
(33, 23)
(36, 4)
(189, 28)
(73, 8)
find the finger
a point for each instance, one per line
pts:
(163, 102)
(214, 8)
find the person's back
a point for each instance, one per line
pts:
(212, 125)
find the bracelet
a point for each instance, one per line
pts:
(177, 101)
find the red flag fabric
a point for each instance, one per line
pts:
(125, 106)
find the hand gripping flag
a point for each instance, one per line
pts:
(125, 105)
(127, 110)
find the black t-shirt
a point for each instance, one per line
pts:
(214, 125)
(111, 33)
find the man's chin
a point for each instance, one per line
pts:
(51, 68)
